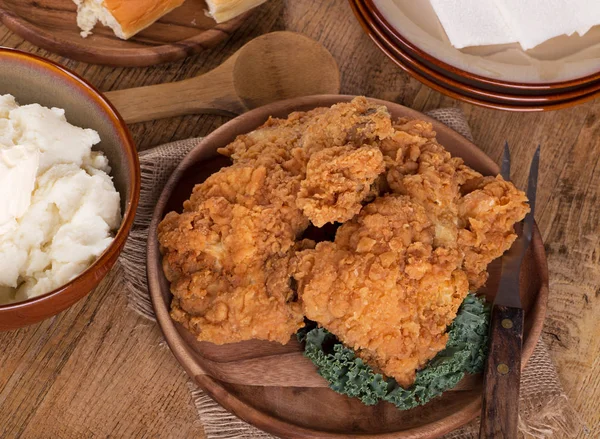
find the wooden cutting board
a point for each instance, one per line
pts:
(52, 25)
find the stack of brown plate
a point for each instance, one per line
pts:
(559, 73)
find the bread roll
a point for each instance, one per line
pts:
(223, 10)
(125, 17)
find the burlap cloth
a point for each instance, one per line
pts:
(544, 407)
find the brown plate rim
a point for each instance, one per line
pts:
(134, 57)
(472, 76)
(131, 205)
(212, 386)
(421, 72)
(542, 100)
(526, 104)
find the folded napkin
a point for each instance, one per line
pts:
(534, 21)
(472, 22)
(528, 22)
(544, 406)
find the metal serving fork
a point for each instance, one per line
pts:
(500, 409)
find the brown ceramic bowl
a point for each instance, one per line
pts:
(34, 80)
(274, 386)
(521, 97)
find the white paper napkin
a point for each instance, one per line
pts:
(528, 22)
(536, 21)
(472, 22)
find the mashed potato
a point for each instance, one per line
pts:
(58, 205)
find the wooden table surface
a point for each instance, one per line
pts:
(99, 370)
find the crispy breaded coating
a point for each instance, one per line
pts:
(424, 170)
(487, 214)
(383, 288)
(223, 256)
(292, 141)
(359, 123)
(419, 229)
(227, 254)
(252, 185)
(337, 181)
(477, 221)
(277, 142)
(392, 299)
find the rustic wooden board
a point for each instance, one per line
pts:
(273, 386)
(52, 24)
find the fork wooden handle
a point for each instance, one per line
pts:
(500, 408)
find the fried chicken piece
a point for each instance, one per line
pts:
(292, 141)
(408, 137)
(277, 141)
(337, 181)
(251, 185)
(359, 122)
(395, 276)
(399, 267)
(487, 214)
(382, 288)
(474, 213)
(226, 256)
(421, 168)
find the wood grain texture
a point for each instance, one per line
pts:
(502, 375)
(52, 24)
(270, 68)
(101, 367)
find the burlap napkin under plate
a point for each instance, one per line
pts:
(544, 407)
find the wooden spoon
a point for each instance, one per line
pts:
(272, 67)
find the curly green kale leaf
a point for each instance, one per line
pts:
(347, 374)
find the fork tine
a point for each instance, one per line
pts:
(505, 170)
(531, 193)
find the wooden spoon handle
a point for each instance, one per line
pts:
(209, 93)
(500, 409)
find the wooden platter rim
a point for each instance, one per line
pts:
(242, 409)
(126, 57)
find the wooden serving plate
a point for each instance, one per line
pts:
(52, 25)
(273, 386)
